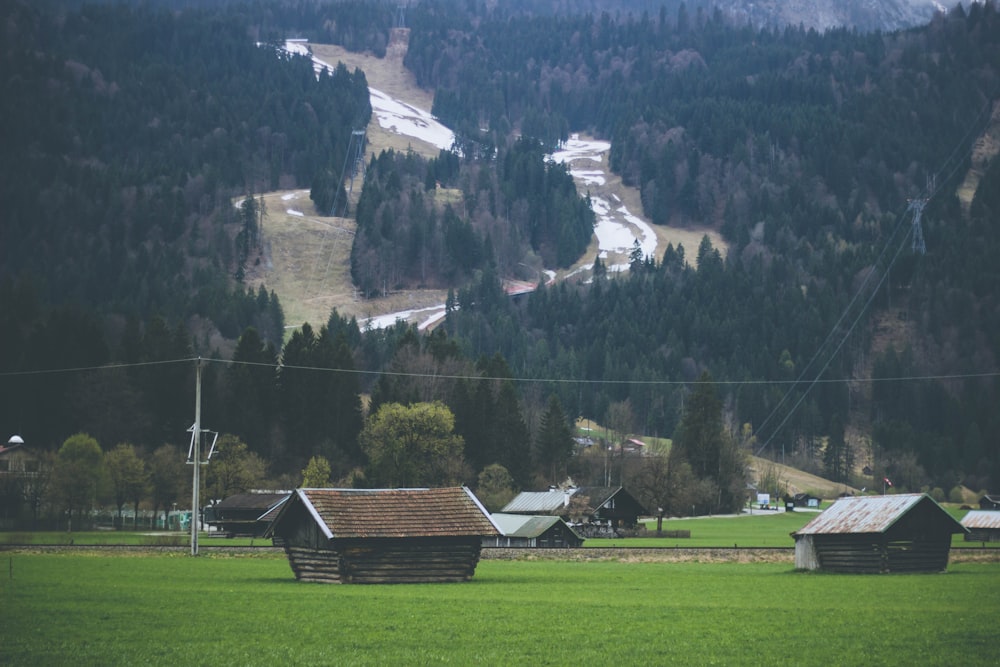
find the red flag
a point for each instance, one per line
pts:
(886, 480)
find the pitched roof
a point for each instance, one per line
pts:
(356, 513)
(540, 502)
(523, 525)
(868, 514)
(980, 519)
(598, 495)
(247, 501)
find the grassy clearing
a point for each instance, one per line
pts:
(100, 610)
(763, 529)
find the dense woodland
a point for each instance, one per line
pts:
(518, 213)
(136, 138)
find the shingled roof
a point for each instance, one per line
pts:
(393, 513)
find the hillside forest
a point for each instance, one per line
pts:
(138, 137)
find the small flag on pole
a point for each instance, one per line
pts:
(887, 481)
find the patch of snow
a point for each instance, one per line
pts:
(292, 211)
(409, 121)
(588, 177)
(389, 319)
(393, 115)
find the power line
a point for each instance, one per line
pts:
(451, 376)
(83, 369)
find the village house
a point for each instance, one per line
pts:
(594, 511)
(16, 458)
(989, 502)
(522, 530)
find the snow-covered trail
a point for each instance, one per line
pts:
(617, 228)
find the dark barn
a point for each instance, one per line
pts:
(383, 536)
(242, 514)
(872, 534)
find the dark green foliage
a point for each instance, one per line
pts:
(553, 444)
(128, 131)
(528, 205)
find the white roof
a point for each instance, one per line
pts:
(982, 519)
(541, 502)
(863, 514)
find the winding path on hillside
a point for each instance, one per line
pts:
(308, 255)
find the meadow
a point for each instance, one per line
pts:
(95, 609)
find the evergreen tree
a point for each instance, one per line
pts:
(553, 444)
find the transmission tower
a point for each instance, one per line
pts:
(917, 206)
(354, 159)
(401, 16)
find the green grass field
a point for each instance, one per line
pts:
(93, 609)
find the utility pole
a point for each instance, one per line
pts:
(917, 206)
(196, 458)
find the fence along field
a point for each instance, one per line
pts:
(94, 609)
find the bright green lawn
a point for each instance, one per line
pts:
(79, 609)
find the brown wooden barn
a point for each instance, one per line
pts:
(382, 536)
(901, 533)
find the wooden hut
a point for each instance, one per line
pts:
(982, 526)
(522, 530)
(901, 533)
(382, 536)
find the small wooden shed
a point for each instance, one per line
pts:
(901, 533)
(521, 530)
(383, 535)
(982, 526)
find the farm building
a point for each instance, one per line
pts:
(243, 513)
(983, 526)
(901, 533)
(989, 502)
(806, 500)
(16, 458)
(382, 536)
(522, 530)
(603, 508)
